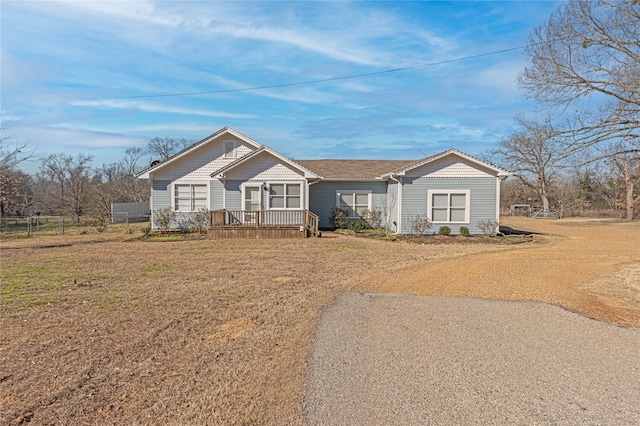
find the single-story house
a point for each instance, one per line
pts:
(244, 183)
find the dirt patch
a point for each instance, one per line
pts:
(113, 330)
(584, 265)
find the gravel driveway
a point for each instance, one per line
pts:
(402, 359)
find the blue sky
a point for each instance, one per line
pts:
(92, 76)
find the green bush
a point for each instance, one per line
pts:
(357, 225)
(444, 230)
(464, 231)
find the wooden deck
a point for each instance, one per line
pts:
(232, 224)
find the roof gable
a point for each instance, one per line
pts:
(201, 144)
(450, 163)
(263, 150)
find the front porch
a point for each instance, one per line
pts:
(232, 224)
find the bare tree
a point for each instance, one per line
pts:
(129, 162)
(130, 188)
(629, 166)
(70, 176)
(588, 53)
(164, 148)
(534, 155)
(15, 195)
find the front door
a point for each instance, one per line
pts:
(252, 204)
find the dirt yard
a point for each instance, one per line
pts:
(108, 329)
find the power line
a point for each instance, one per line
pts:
(324, 80)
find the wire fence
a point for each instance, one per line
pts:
(33, 226)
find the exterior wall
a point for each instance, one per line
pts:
(482, 200)
(264, 167)
(449, 167)
(233, 195)
(261, 170)
(197, 166)
(233, 192)
(160, 194)
(322, 196)
(216, 195)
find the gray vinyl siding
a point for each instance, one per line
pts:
(161, 194)
(216, 195)
(482, 200)
(233, 194)
(323, 196)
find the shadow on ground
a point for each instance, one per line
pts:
(507, 230)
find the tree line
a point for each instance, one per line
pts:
(73, 185)
(583, 141)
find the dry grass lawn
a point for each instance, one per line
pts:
(108, 329)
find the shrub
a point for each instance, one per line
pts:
(339, 217)
(163, 217)
(420, 224)
(373, 218)
(199, 220)
(464, 231)
(99, 221)
(444, 230)
(146, 230)
(488, 226)
(357, 225)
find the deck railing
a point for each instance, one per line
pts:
(265, 218)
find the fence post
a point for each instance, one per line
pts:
(61, 225)
(29, 226)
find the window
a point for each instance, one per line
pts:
(190, 197)
(449, 206)
(354, 202)
(284, 196)
(229, 149)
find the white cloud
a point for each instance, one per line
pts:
(151, 107)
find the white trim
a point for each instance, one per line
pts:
(285, 183)
(250, 184)
(369, 193)
(467, 211)
(497, 200)
(178, 182)
(151, 206)
(399, 203)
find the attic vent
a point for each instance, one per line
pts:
(229, 149)
(155, 163)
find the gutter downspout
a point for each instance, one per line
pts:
(151, 201)
(224, 192)
(399, 228)
(308, 193)
(498, 181)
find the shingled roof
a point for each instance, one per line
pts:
(353, 169)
